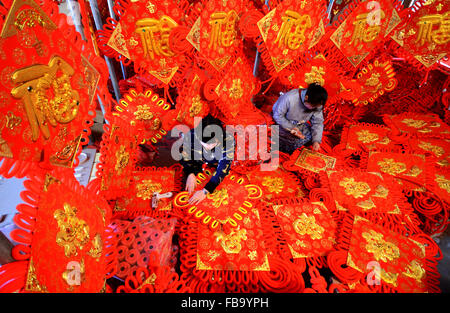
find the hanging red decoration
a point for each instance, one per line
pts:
(142, 36)
(190, 102)
(365, 28)
(117, 158)
(144, 112)
(235, 90)
(68, 222)
(441, 185)
(49, 86)
(425, 36)
(376, 78)
(215, 32)
(290, 29)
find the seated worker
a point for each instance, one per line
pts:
(200, 147)
(293, 110)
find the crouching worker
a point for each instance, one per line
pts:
(208, 143)
(299, 113)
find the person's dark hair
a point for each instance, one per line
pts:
(317, 95)
(206, 121)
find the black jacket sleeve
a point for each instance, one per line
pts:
(223, 167)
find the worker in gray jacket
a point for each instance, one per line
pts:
(299, 113)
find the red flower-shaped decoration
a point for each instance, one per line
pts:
(144, 112)
(376, 79)
(228, 205)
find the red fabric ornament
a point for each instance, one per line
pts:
(307, 161)
(227, 206)
(359, 191)
(309, 229)
(239, 250)
(142, 35)
(276, 184)
(388, 257)
(366, 27)
(68, 222)
(215, 33)
(425, 37)
(235, 91)
(117, 158)
(441, 185)
(376, 78)
(414, 171)
(49, 85)
(367, 137)
(439, 148)
(190, 103)
(291, 28)
(144, 112)
(418, 125)
(144, 184)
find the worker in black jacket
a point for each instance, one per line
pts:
(200, 146)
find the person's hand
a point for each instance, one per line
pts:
(316, 146)
(190, 183)
(198, 197)
(296, 132)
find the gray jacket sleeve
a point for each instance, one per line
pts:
(280, 108)
(317, 126)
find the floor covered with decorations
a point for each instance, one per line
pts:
(97, 96)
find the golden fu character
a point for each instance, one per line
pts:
(220, 35)
(439, 36)
(35, 80)
(293, 40)
(315, 76)
(150, 29)
(363, 34)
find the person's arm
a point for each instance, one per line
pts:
(223, 168)
(317, 126)
(281, 108)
